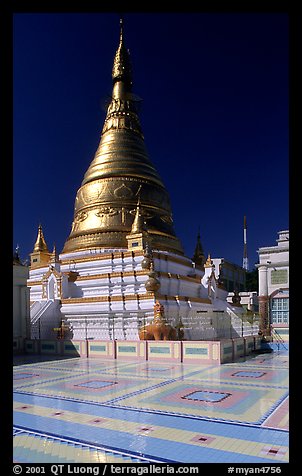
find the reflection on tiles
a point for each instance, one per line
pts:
(137, 412)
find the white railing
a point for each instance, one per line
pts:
(241, 325)
(34, 308)
(34, 317)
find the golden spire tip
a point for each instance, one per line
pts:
(121, 28)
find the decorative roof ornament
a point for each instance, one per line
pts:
(208, 263)
(122, 70)
(147, 261)
(16, 256)
(153, 283)
(54, 254)
(199, 256)
(138, 225)
(40, 244)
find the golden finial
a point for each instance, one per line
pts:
(138, 222)
(208, 263)
(121, 70)
(40, 244)
(121, 28)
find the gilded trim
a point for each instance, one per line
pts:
(122, 274)
(34, 283)
(103, 256)
(129, 297)
(134, 297)
(124, 254)
(161, 256)
(183, 298)
(115, 274)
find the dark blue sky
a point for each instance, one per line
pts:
(214, 115)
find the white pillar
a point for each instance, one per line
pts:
(263, 301)
(263, 285)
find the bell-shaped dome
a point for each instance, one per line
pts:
(120, 174)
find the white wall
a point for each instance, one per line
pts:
(20, 301)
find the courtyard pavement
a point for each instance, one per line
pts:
(76, 410)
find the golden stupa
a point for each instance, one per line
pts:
(121, 175)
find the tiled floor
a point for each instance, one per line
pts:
(94, 411)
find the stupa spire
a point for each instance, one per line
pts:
(138, 222)
(54, 254)
(40, 244)
(199, 256)
(120, 171)
(122, 70)
(40, 256)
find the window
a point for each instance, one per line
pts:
(135, 243)
(280, 311)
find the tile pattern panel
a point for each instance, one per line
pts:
(94, 410)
